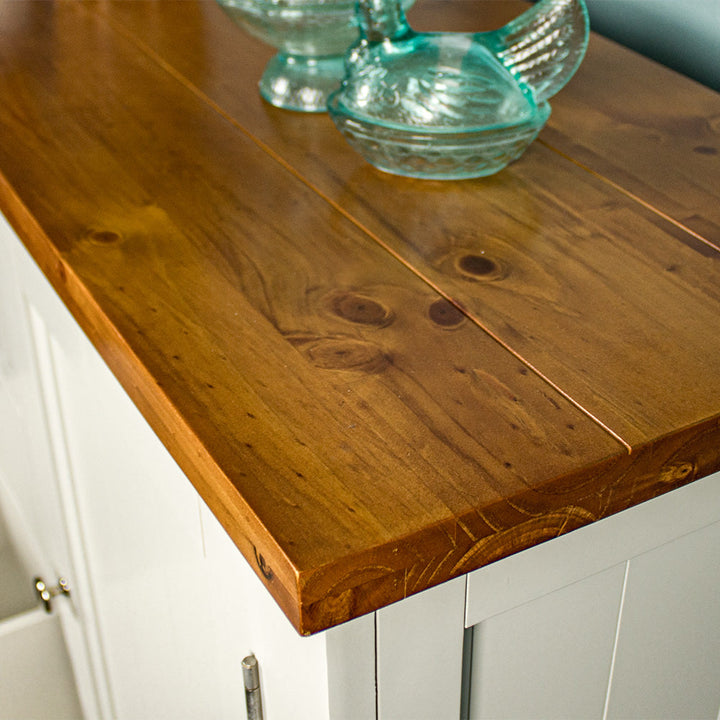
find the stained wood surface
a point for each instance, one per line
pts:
(534, 225)
(376, 384)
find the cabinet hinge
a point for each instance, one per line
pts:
(251, 678)
(46, 593)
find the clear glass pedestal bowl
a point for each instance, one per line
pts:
(311, 36)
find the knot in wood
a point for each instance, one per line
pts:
(267, 573)
(443, 313)
(478, 266)
(361, 309)
(104, 237)
(677, 472)
(339, 353)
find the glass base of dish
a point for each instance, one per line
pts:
(301, 83)
(436, 154)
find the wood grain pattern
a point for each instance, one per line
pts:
(587, 285)
(316, 343)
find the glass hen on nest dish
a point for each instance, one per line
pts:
(454, 105)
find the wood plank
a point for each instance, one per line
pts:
(659, 139)
(357, 436)
(606, 298)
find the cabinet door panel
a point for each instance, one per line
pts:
(26, 482)
(139, 525)
(668, 655)
(36, 680)
(27, 471)
(551, 657)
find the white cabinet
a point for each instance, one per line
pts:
(667, 663)
(618, 619)
(638, 639)
(590, 625)
(36, 677)
(525, 662)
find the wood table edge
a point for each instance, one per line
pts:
(616, 484)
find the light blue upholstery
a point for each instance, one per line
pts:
(682, 34)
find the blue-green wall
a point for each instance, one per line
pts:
(683, 34)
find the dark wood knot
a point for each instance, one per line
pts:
(359, 308)
(477, 265)
(705, 150)
(104, 237)
(677, 472)
(442, 312)
(340, 353)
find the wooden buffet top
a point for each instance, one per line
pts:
(375, 383)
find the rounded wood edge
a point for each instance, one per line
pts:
(381, 576)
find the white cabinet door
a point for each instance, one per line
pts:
(36, 503)
(668, 655)
(36, 680)
(550, 658)
(27, 468)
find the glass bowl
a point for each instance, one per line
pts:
(311, 36)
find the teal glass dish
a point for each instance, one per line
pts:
(312, 37)
(454, 105)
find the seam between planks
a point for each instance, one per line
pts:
(630, 195)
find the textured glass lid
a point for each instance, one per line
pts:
(441, 82)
